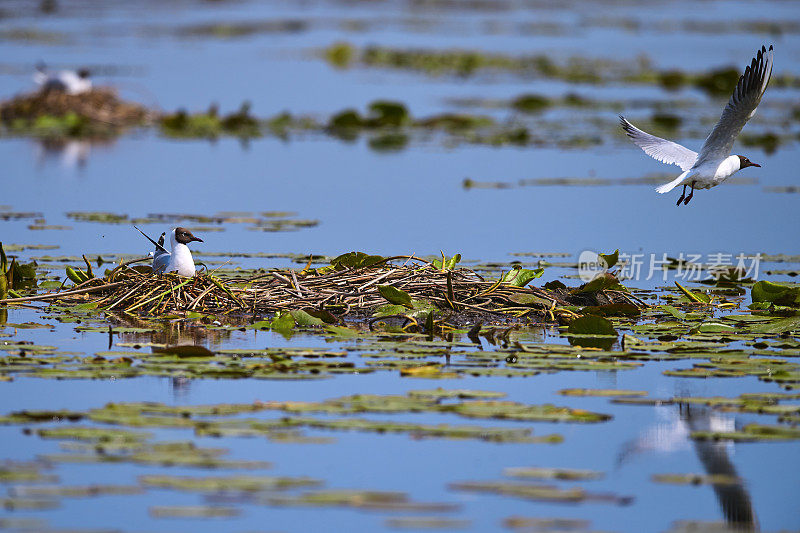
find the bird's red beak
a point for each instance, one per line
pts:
(198, 239)
(755, 165)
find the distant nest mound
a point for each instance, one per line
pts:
(97, 111)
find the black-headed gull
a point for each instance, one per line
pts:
(66, 81)
(179, 258)
(714, 164)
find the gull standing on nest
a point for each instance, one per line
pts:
(66, 81)
(179, 258)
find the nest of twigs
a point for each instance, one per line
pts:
(343, 293)
(100, 106)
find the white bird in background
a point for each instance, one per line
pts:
(179, 258)
(66, 81)
(714, 164)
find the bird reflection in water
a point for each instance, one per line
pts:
(172, 334)
(180, 387)
(673, 434)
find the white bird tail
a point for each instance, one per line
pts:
(661, 189)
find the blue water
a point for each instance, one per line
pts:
(398, 203)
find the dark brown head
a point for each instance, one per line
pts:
(744, 162)
(84, 73)
(184, 236)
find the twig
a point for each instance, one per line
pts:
(57, 295)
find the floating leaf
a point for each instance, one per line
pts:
(776, 326)
(697, 479)
(713, 327)
(521, 298)
(697, 297)
(610, 259)
(186, 350)
(601, 282)
(446, 264)
(341, 331)
(569, 474)
(395, 295)
(765, 291)
(284, 322)
(750, 432)
(325, 316)
(194, 511)
(247, 483)
(591, 325)
(356, 260)
(601, 392)
(302, 318)
(673, 311)
(519, 277)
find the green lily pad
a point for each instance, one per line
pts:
(303, 319)
(395, 296)
(248, 483)
(591, 325)
(356, 260)
(567, 474)
(186, 350)
(602, 282)
(519, 277)
(697, 479)
(774, 293)
(751, 432)
(601, 392)
(194, 511)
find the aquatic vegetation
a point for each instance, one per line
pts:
(244, 483)
(696, 479)
(427, 522)
(567, 474)
(531, 103)
(536, 492)
(577, 69)
(359, 499)
(373, 281)
(193, 511)
(210, 124)
(233, 30)
(15, 276)
(751, 432)
(25, 472)
(340, 54)
(34, 35)
(98, 216)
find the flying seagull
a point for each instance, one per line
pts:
(714, 164)
(179, 258)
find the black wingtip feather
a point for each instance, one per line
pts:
(626, 126)
(151, 240)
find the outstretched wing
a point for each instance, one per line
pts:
(661, 149)
(741, 107)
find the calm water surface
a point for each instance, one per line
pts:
(411, 200)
